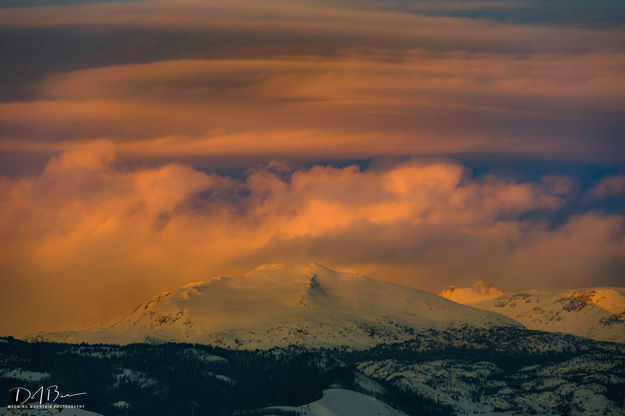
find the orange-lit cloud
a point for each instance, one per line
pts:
(354, 107)
(86, 234)
(145, 144)
(291, 78)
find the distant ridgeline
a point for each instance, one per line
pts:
(436, 372)
(325, 343)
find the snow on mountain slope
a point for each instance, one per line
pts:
(340, 402)
(597, 313)
(285, 305)
(575, 387)
(482, 290)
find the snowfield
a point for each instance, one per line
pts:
(597, 313)
(472, 388)
(341, 402)
(310, 306)
(23, 375)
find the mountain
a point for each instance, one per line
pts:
(501, 371)
(597, 313)
(281, 305)
(482, 290)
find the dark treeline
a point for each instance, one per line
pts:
(178, 379)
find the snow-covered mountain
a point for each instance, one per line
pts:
(281, 305)
(597, 313)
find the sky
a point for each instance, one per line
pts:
(147, 144)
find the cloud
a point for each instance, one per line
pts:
(91, 156)
(88, 234)
(296, 79)
(349, 107)
(609, 186)
(116, 116)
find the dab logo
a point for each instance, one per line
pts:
(50, 394)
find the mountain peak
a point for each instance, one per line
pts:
(485, 287)
(480, 291)
(280, 305)
(597, 313)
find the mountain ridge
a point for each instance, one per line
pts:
(280, 305)
(596, 312)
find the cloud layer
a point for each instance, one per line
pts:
(288, 78)
(145, 144)
(86, 234)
